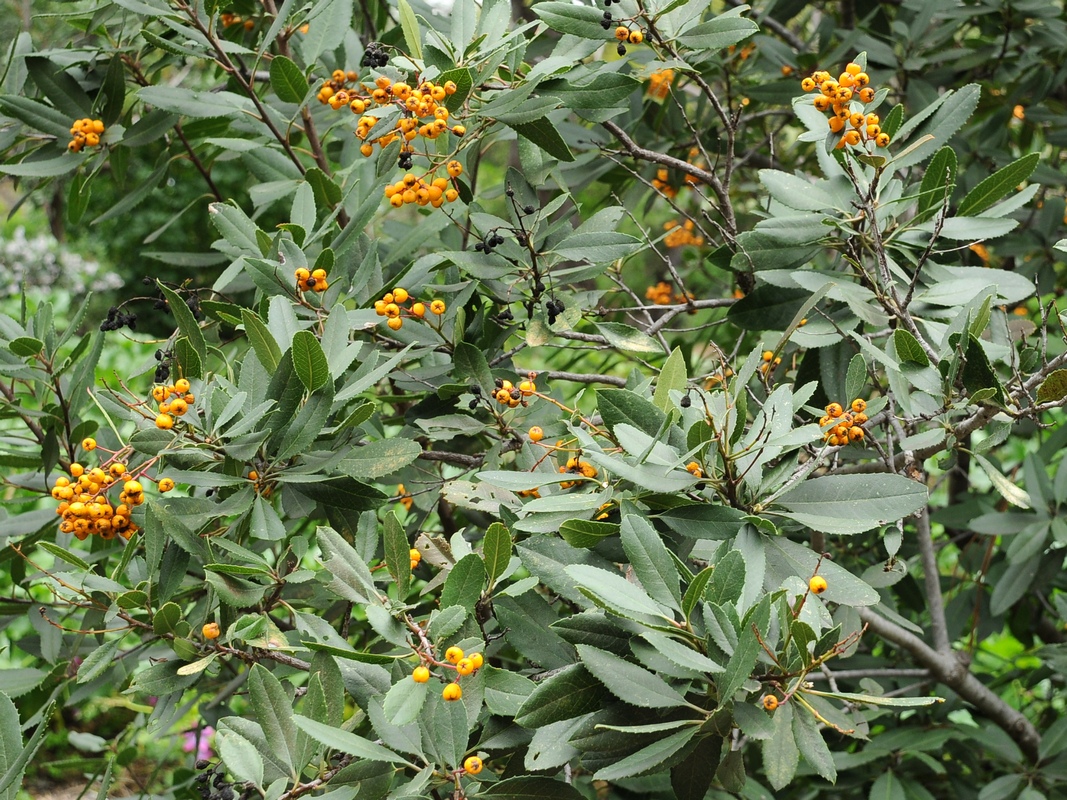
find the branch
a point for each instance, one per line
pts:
(932, 580)
(772, 24)
(947, 668)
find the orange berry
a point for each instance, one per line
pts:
(211, 630)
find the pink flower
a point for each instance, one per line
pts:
(200, 741)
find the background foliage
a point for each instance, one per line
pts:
(661, 240)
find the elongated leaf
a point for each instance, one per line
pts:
(496, 550)
(544, 134)
(309, 360)
(628, 682)
(871, 500)
(780, 753)
(287, 80)
(673, 376)
(274, 712)
(570, 693)
(532, 787)
(997, 185)
(614, 591)
(651, 560)
(345, 742)
(654, 757)
(397, 553)
(465, 583)
(410, 26)
(938, 181)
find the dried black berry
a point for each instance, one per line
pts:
(473, 404)
(605, 23)
(539, 287)
(529, 209)
(686, 402)
(203, 763)
(510, 192)
(474, 389)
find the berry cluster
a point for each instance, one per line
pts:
(84, 506)
(844, 98)
(391, 306)
(117, 320)
(660, 293)
(407, 501)
(769, 362)
(681, 235)
(229, 20)
(374, 56)
(846, 425)
(693, 468)
(554, 308)
(311, 280)
(576, 466)
(85, 133)
(220, 788)
(507, 394)
(493, 240)
(659, 83)
(411, 189)
(455, 659)
(174, 401)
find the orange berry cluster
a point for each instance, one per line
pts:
(311, 280)
(659, 83)
(660, 293)
(693, 468)
(662, 179)
(844, 98)
(411, 189)
(391, 306)
(85, 133)
(717, 377)
(415, 556)
(577, 467)
(846, 424)
(681, 235)
(174, 401)
(84, 506)
(406, 500)
(625, 35)
(229, 20)
(769, 362)
(462, 663)
(507, 394)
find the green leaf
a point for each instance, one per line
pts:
(727, 580)
(397, 553)
(673, 376)
(465, 583)
(812, 746)
(404, 701)
(287, 80)
(780, 753)
(377, 459)
(25, 346)
(351, 577)
(954, 108)
(856, 378)
(309, 360)
(767, 308)
(506, 691)
(680, 654)
(532, 788)
(597, 247)
(741, 663)
(240, 756)
(197, 104)
(267, 350)
(496, 551)
(345, 493)
(938, 181)
(410, 26)
(327, 192)
(909, 349)
(577, 20)
(622, 405)
(878, 700)
(872, 500)
(651, 561)
(461, 76)
(612, 591)
(1008, 490)
(187, 323)
(723, 31)
(471, 365)
(627, 338)
(542, 132)
(345, 742)
(651, 758)
(978, 373)
(586, 534)
(274, 711)
(38, 115)
(887, 787)
(189, 363)
(571, 692)
(629, 682)
(692, 778)
(997, 185)
(704, 521)
(1053, 388)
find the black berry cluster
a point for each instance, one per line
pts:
(118, 319)
(494, 240)
(374, 56)
(162, 368)
(606, 22)
(211, 783)
(554, 309)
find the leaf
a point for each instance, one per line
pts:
(780, 753)
(767, 308)
(680, 654)
(410, 26)
(471, 365)
(259, 336)
(1008, 490)
(938, 181)
(871, 500)
(240, 756)
(673, 376)
(625, 337)
(586, 534)
(496, 551)
(997, 185)
(812, 746)
(627, 681)
(543, 133)
(727, 580)
(14, 766)
(597, 247)
(404, 701)
(954, 109)
(531, 787)
(187, 323)
(887, 787)
(622, 405)
(193, 103)
(351, 577)
(613, 591)
(1053, 388)
(571, 692)
(287, 80)
(577, 20)
(397, 553)
(692, 778)
(464, 584)
(309, 360)
(345, 742)
(723, 31)
(739, 667)
(652, 757)
(878, 700)
(651, 561)
(856, 378)
(377, 459)
(345, 493)
(274, 712)
(909, 349)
